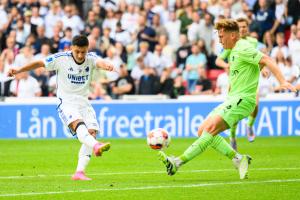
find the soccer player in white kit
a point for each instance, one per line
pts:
(74, 71)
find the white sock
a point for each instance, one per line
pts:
(84, 136)
(237, 157)
(178, 162)
(84, 157)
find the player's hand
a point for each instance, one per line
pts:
(287, 86)
(12, 72)
(265, 72)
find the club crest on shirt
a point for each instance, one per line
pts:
(50, 59)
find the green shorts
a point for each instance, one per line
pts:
(233, 110)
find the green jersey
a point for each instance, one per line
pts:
(244, 70)
(226, 52)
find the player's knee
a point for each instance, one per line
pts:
(210, 127)
(74, 125)
(93, 132)
(200, 130)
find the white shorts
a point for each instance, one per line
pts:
(70, 112)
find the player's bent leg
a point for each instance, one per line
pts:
(86, 138)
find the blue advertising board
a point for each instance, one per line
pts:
(135, 120)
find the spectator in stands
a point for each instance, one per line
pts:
(203, 84)
(149, 83)
(6, 62)
(268, 40)
(65, 42)
(92, 21)
(54, 40)
(106, 40)
(147, 56)
(162, 61)
(166, 83)
(25, 56)
(294, 46)
(35, 18)
(222, 84)
(265, 17)
(41, 39)
(182, 52)
(52, 17)
(138, 70)
(98, 92)
(52, 86)
(124, 84)
(290, 72)
(71, 19)
(121, 35)
(186, 17)
(130, 18)
(93, 47)
(131, 56)
(158, 28)
(29, 27)
(167, 50)
(280, 46)
(114, 58)
(25, 86)
(42, 77)
(110, 22)
(146, 33)
(179, 87)
(254, 26)
(45, 52)
(173, 30)
(193, 62)
(207, 31)
(96, 34)
(21, 33)
(266, 84)
(293, 7)
(193, 30)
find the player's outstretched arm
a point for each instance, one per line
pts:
(105, 65)
(270, 63)
(31, 66)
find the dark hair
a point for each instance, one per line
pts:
(80, 41)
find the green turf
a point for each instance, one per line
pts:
(130, 170)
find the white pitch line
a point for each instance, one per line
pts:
(145, 172)
(152, 187)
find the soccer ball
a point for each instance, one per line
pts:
(158, 138)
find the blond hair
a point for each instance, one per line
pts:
(228, 25)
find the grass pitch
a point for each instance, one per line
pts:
(41, 169)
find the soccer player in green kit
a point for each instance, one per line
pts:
(244, 34)
(244, 62)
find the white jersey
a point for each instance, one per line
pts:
(73, 80)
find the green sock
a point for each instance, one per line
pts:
(233, 131)
(220, 145)
(197, 147)
(251, 121)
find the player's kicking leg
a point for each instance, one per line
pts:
(209, 131)
(89, 145)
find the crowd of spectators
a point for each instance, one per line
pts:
(159, 46)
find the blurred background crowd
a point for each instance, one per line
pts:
(159, 46)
